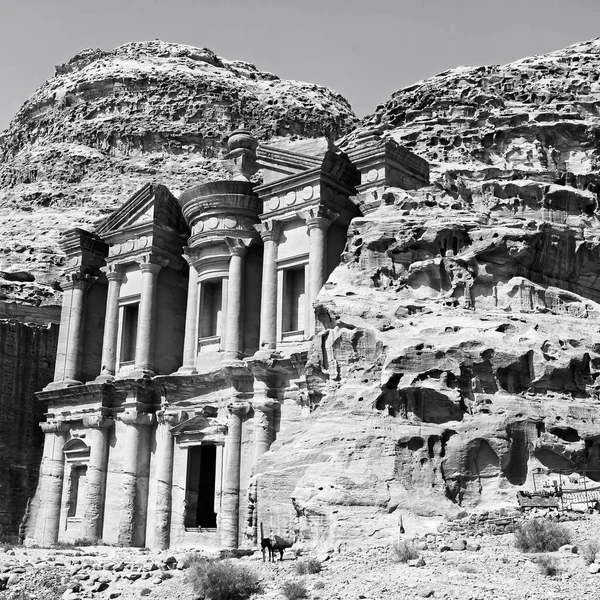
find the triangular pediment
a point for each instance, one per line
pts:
(153, 204)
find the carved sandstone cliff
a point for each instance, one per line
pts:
(110, 121)
(460, 347)
(26, 365)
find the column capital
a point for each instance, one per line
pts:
(136, 418)
(190, 255)
(238, 246)
(151, 263)
(266, 405)
(76, 279)
(238, 408)
(55, 426)
(318, 218)
(270, 231)
(97, 422)
(113, 272)
(170, 418)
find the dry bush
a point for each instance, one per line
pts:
(294, 590)
(85, 542)
(307, 567)
(548, 564)
(222, 580)
(405, 551)
(319, 585)
(539, 535)
(590, 551)
(467, 569)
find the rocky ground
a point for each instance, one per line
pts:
(472, 564)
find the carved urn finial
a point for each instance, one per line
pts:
(241, 159)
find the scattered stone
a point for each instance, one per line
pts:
(417, 562)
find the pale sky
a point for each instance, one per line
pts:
(364, 50)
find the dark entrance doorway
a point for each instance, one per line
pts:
(200, 487)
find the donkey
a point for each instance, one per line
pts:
(274, 543)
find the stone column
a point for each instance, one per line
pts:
(131, 461)
(144, 343)
(190, 342)
(51, 482)
(111, 325)
(68, 354)
(93, 521)
(317, 224)
(264, 410)
(164, 478)
(269, 232)
(235, 294)
(230, 515)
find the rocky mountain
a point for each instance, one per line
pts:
(460, 353)
(110, 121)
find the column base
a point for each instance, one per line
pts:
(136, 374)
(63, 383)
(186, 370)
(266, 354)
(104, 378)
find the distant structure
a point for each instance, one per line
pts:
(184, 332)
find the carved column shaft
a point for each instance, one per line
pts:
(264, 411)
(230, 516)
(131, 463)
(164, 479)
(68, 355)
(96, 476)
(144, 344)
(111, 326)
(235, 295)
(268, 305)
(51, 480)
(317, 260)
(190, 343)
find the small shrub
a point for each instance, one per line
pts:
(7, 542)
(467, 569)
(85, 542)
(307, 567)
(64, 546)
(222, 580)
(319, 585)
(548, 565)
(145, 592)
(590, 551)
(294, 590)
(405, 551)
(539, 535)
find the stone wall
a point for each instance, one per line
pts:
(27, 354)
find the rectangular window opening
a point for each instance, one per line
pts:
(129, 332)
(77, 485)
(200, 487)
(212, 300)
(293, 299)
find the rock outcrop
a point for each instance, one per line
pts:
(26, 365)
(110, 121)
(460, 349)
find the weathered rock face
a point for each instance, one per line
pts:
(460, 349)
(487, 131)
(109, 122)
(27, 364)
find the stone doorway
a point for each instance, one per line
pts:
(200, 487)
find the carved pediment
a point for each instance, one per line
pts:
(152, 205)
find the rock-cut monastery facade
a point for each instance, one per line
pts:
(183, 337)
